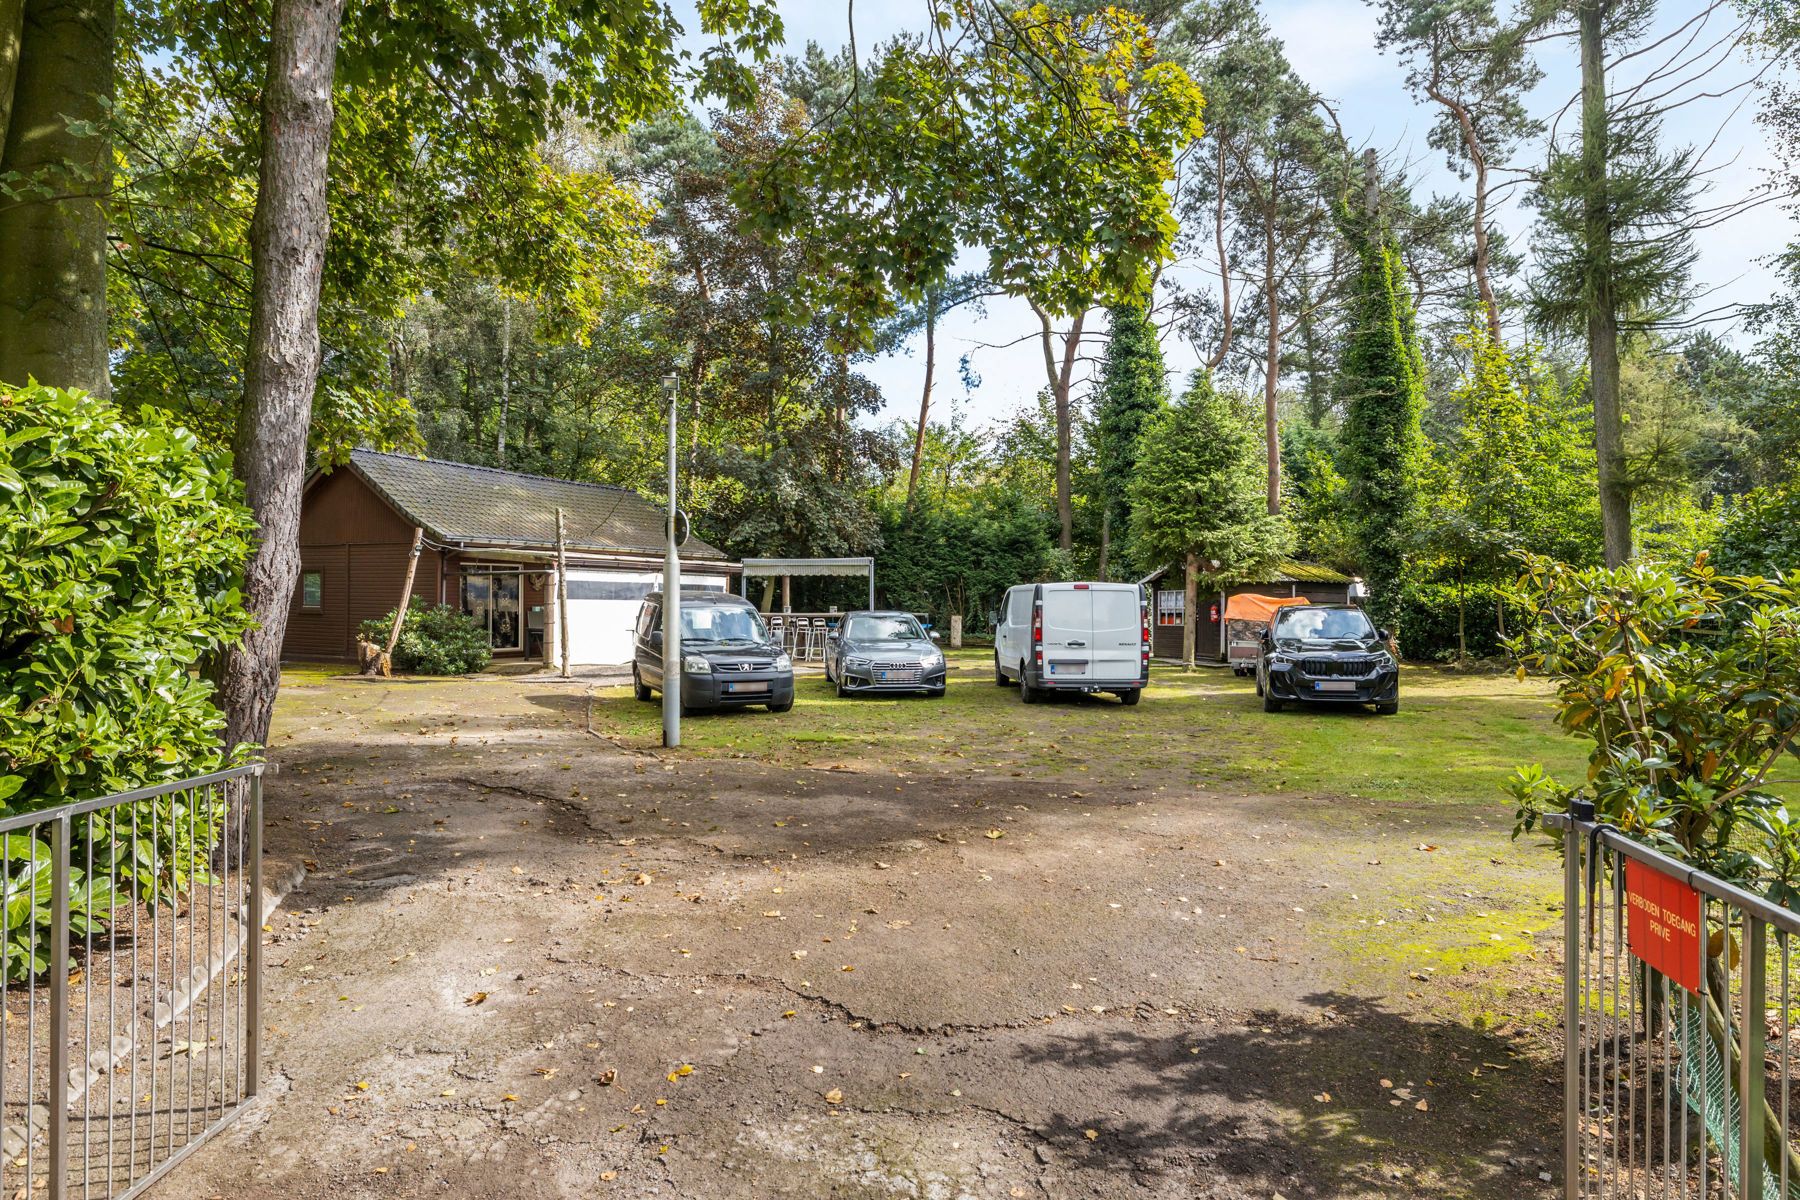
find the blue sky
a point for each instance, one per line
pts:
(1332, 45)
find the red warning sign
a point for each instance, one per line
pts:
(1663, 925)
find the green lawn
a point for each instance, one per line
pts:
(1455, 739)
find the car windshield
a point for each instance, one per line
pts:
(882, 629)
(1323, 624)
(720, 623)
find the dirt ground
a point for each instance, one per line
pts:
(530, 959)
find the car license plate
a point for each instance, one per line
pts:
(881, 676)
(1334, 685)
(759, 686)
(1068, 668)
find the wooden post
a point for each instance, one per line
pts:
(787, 594)
(384, 663)
(562, 597)
(956, 631)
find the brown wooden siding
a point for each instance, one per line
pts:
(359, 546)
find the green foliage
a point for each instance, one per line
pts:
(1200, 488)
(1760, 533)
(1687, 682)
(1132, 390)
(122, 544)
(440, 640)
(1047, 138)
(961, 557)
(1315, 496)
(1380, 385)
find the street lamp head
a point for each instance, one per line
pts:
(671, 382)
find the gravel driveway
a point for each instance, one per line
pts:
(529, 961)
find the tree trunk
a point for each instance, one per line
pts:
(1603, 316)
(1190, 632)
(505, 378)
(1060, 378)
(56, 78)
(287, 254)
(1478, 159)
(912, 480)
(12, 32)
(1105, 535)
(1272, 371)
(1218, 356)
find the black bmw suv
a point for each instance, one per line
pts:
(1326, 652)
(728, 658)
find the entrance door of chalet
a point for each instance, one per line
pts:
(495, 602)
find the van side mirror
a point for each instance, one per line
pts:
(936, 636)
(1382, 635)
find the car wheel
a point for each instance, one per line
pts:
(782, 705)
(1027, 693)
(1132, 696)
(1270, 703)
(637, 684)
(828, 678)
(1388, 709)
(1259, 683)
(842, 691)
(1000, 679)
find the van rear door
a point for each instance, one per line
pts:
(1116, 645)
(1068, 632)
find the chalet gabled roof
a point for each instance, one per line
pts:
(458, 503)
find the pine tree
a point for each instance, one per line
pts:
(1133, 389)
(1380, 385)
(1198, 496)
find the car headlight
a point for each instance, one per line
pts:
(856, 661)
(695, 664)
(934, 659)
(783, 663)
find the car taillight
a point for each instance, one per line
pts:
(1037, 632)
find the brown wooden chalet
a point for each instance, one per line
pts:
(1320, 584)
(489, 548)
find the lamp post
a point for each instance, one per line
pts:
(671, 655)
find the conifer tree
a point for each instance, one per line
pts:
(1133, 388)
(1198, 494)
(1380, 386)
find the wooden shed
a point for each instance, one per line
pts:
(1320, 584)
(489, 548)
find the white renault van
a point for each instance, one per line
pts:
(1076, 637)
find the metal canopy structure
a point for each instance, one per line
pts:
(781, 568)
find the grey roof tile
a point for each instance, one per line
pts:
(457, 502)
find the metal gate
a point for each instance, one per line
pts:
(118, 1061)
(1677, 1019)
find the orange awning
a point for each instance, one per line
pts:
(1251, 607)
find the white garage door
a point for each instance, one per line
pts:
(603, 610)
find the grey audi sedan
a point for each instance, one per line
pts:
(883, 652)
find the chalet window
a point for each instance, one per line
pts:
(312, 589)
(1171, 607)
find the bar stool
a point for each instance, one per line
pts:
(821, 631)
(801, 647)
(778, 631)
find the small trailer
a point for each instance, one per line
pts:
(1246, 617)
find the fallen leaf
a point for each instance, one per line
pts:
(834, 1096)
(607, 1077)
(475, 998)
(642, 878)
(1092, 1135)
(995, 834)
